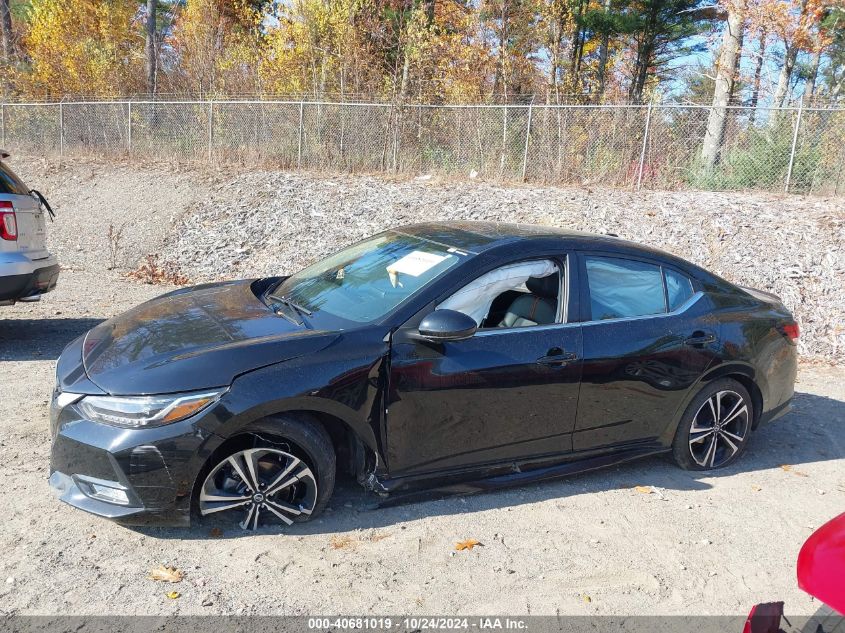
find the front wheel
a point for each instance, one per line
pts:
(280, 480)
(715, 428)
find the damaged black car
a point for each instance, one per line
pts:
(454, 357)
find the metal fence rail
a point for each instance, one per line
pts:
(649, 146)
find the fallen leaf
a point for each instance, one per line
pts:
(790, 469)
(467, 544)
(341, 542)
(646, 490)
(215, 533)
(166, 574)
(756, 488)
(587, 599)
(173, 595)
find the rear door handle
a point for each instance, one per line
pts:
(558, 360)
(700, 339)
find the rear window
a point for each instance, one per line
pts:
(10, 183)
(678, 288)
(622, 288)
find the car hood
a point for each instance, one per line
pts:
(193, 338)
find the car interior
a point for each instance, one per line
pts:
(514, 296)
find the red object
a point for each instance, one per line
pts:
(792, 331)
(764, 618)
(8, 222)
(821, 564)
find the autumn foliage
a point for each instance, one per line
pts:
(422, 50)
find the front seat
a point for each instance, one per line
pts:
(537, 308)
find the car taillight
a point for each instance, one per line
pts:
(764, 618)
(8, 223)
(791, 331)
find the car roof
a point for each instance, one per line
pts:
(476, 237)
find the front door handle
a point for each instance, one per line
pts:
(699, 338)
(557, 360)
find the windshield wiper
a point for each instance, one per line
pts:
(291, 304)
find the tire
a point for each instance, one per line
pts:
(707, 441)
(281, 476)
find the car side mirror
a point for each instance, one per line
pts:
(447, 325)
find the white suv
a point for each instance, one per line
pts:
(27, 269)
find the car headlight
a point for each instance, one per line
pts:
(145, 411)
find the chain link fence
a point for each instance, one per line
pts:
(800, 150)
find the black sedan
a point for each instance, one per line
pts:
(446, 357)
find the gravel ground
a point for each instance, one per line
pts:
(591, 544)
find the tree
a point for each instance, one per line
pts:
(661, 30)
(82, 47)
(833, 73)
(218, 45)
(6, 34)
(511, 27)
(151, 46)
(725, 76)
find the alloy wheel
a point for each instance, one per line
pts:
(260, 484)
(719, 428)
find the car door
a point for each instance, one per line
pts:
(648, 337)
(502, 395)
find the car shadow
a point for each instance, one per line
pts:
(39, 339)
(812, 432)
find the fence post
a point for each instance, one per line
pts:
(3, 125)
(129, 103)
(527, 139)
(61, 129)
(794, 143)
(299, 145)
(645, 144)
(210, 128)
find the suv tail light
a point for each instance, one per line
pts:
(8, 222)
(791, 331)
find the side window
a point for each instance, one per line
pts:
(623, 288)
(10, 183)
(516, 295)
(678, 288)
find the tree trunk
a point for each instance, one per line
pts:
(784, 77)
(150, 46)
(737, 64)
(603, 51)
(810, 84)
(786, 71)
(721, 93)
(8, 44)
(758, 76)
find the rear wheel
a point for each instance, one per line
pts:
(715, 428)
(278, 480)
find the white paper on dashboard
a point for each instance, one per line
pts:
(415, 264)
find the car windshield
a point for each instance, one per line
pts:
(366, 281)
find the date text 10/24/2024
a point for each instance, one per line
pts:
(483, 623)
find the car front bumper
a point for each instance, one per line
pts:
(134, 476)
(21, 278)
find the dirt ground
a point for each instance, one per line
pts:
(591, 544)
